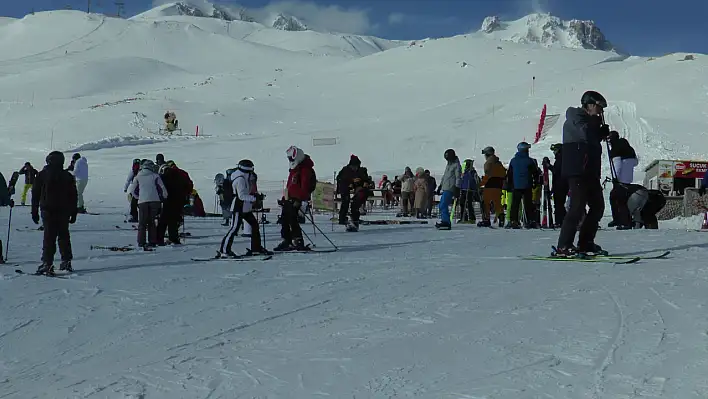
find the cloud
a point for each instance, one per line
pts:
(317, 17)
(396, 18)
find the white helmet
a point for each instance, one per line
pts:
(295, 156)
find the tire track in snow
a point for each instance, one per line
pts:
(599, 384)
(251, 324)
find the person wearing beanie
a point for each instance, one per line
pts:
(352, 180)
(449, 188)
(54, 198)
(521, 177)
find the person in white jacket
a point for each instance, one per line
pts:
(241, 212)
(150, 191)
(133, 201)
(79, 165)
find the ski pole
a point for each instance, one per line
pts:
(9, 224)
(263, 220)
(336, 248)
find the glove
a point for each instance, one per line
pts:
(604, 132)
(438, 191)
(72, 219)
(260, 196)
(35, 217)
(12, 203)
(303, 207)
(702, 191)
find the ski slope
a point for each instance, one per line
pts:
(399, 311)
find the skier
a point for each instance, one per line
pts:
(449, 188)
(386, 191)
(353, 178)
(178, 187)
(407, 193)
(493, 181)
(559, 186)
(150, 191)
(54, 197)
(134, 169)
(583, 132)
(79, 166)
(432, 187)
(469, 195)
(4, 201)
(159, 160)
(30, 174)
(241, 211)
(522, 177)
(298, 191)
(224, 201)
(624, 158)
(420, 188)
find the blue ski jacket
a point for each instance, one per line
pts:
(522, 170)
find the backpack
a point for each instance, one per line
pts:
(228, 189)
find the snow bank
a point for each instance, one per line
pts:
(117, 141)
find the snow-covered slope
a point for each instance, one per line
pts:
(398, 311)
(547, 30)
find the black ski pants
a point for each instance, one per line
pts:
(56, 228)
(237, 220)
(516, 198)
(170, 220)
(134, 209)
(355, 203)
(584, 192)
(290, 225)
(560, 193)
(148, 213)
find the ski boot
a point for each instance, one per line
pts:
(285, 245)
(532, 225)
(513, 225)
(299, 245)
(592, 249)
(570, 252)
(227, 255)
(352, 226)
(484, 223)
(65, 265)
(501, 219)
(612, 224)
(443, 225)
(45, 269)
(259, 251)
(623, 227)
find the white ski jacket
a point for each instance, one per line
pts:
(241, 185)
(148, 187)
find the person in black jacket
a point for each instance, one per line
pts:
(352, 179)
(559, 186)
(54, 195)
(179, 187)
(583, 132)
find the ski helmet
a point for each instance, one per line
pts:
(488, 151)
(295, 156)
(523, 147)
(556, 147)
(76, 157)
(593, 97)
(55, 158)
(449, 154)
(245, 165)
(614, 135)
(149, 165)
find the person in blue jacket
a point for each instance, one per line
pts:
(521, 178)
(468, 195)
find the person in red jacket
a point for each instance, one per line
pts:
(299, 188)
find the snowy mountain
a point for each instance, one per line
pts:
(288, 23)
(547, 30)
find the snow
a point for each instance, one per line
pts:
(400, 310)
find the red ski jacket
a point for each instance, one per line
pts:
(300, 180)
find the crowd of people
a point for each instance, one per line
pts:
(568, 189)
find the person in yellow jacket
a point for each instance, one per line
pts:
(493, 181)
(30, 174)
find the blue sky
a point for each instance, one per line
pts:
(647, 27)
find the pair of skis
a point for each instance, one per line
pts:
(616, 259)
